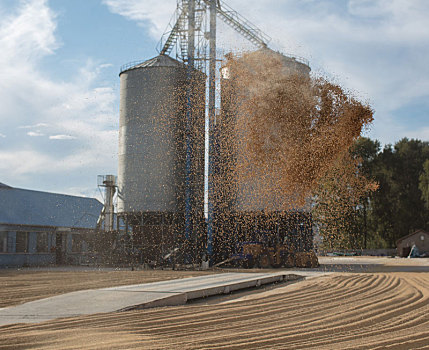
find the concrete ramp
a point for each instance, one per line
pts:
(139, 296)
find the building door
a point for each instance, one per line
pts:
(59, 250)
(406, 251)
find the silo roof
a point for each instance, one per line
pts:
(285, 56)
(161, 61)
(158, 61)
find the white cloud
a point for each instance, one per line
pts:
(2, 135)
(62, 137)
(79, 108)
(152, 13)
(23, 162)
(29, 162)
(28, 35)
(38, 125)
(105, 65)
(35, 133)
(422, 134)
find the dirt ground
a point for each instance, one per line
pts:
(372, 303)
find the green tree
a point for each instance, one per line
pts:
(424, 183)
(352, 214)
(342, 196)
(365, 151)
(397, 207)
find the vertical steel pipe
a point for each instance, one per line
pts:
(212, 117)
(189, 120)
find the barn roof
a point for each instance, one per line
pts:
(27, 207)
(411, 234)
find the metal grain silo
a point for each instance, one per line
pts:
(152, 151)
(240, 211)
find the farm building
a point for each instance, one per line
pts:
(40, 228)
(418, 238)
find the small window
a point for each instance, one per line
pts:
(3, 242)
(76, 243)
(22, 242)
(42, 242)
(53, 241)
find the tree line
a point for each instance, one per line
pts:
(375, 195)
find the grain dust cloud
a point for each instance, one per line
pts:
(292, 129)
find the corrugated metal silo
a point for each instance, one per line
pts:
(152, 151)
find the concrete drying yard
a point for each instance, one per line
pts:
(139, 296)
(368, 303)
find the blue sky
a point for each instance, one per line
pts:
(60, 59)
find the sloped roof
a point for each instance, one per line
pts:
(26, 207)
(412, 234)
(158, 61)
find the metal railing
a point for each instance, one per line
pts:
(299, 59)
(242, 25)
(129, 65)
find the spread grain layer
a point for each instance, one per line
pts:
(338, 311)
